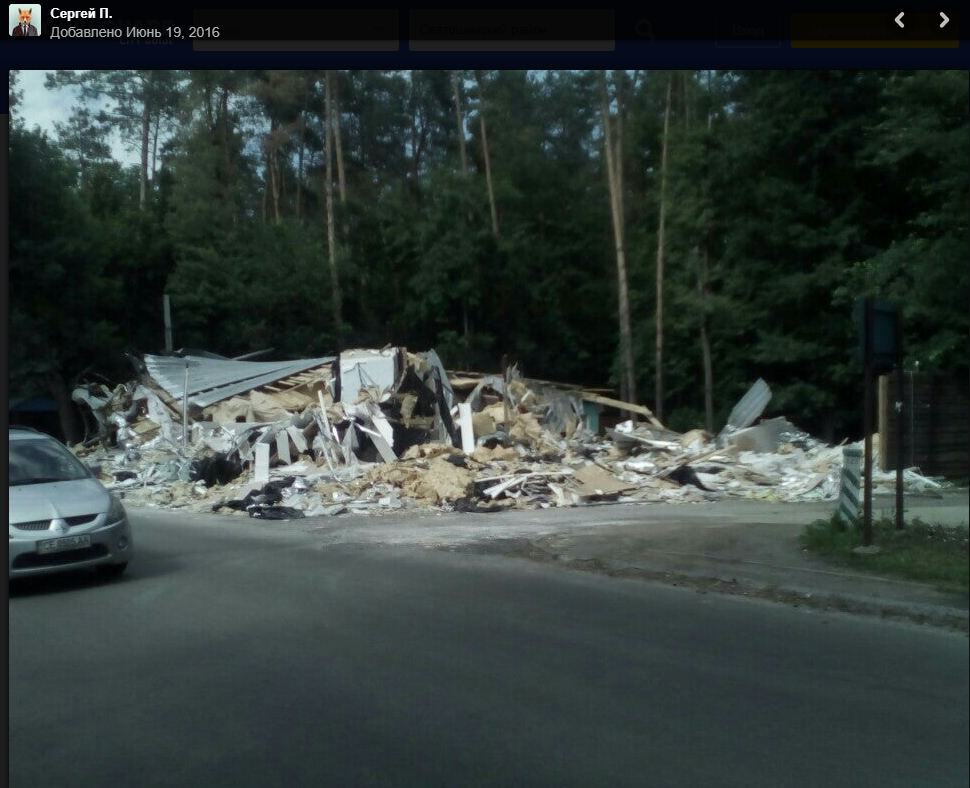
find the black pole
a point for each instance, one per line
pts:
(900, 409)
(867, 427)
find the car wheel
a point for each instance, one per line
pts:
(112, 570)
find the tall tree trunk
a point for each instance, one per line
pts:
(273, 165)
(415, 154)
(705, 291)
(338, 144)
(685, 97)
(461, 123)
(706, 347)
(331, 234)
(301, 168)
(273, 168)
(265, 209)
(658, 406)
(488, 163)
(468, 334)
(146, 124)
(460, 119)
(225, 135)
(158, 123)
(209, 118)
(613, 148)
(298, 208)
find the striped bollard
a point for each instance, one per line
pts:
(850, 490)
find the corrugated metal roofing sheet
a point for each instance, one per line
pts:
(212, 380)
(749, 407)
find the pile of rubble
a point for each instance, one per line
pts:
(373, 431)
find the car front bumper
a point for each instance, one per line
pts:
(110, 544)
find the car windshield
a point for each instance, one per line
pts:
(40, 461)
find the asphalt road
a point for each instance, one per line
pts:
(237, 653)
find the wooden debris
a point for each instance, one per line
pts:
(643, 410)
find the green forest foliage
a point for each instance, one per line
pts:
(790, 194)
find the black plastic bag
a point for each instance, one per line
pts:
(275, 512)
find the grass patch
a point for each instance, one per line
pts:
(925, 552)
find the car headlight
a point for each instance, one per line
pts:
(116, 511)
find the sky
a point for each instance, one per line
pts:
(42, 107)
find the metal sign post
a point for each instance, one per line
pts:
(880, 350)
(850, 488)
(899, 419)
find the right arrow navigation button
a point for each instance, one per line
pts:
(945, 19)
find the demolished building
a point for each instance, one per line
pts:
(371, 431)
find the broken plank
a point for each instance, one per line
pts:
(630, 407)
(495, 490)
(380, 444)
(294, 382)
(728, 452)
(463, 382)
(382, 425)
(167, 400)
(505, 476)
(467, 430)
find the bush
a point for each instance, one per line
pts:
(925, 552)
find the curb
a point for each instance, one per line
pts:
(916, 612)
(943, 616)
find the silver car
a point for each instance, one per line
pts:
(61, 517)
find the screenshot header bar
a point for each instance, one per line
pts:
(464, 29)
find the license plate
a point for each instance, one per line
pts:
(64, 543)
